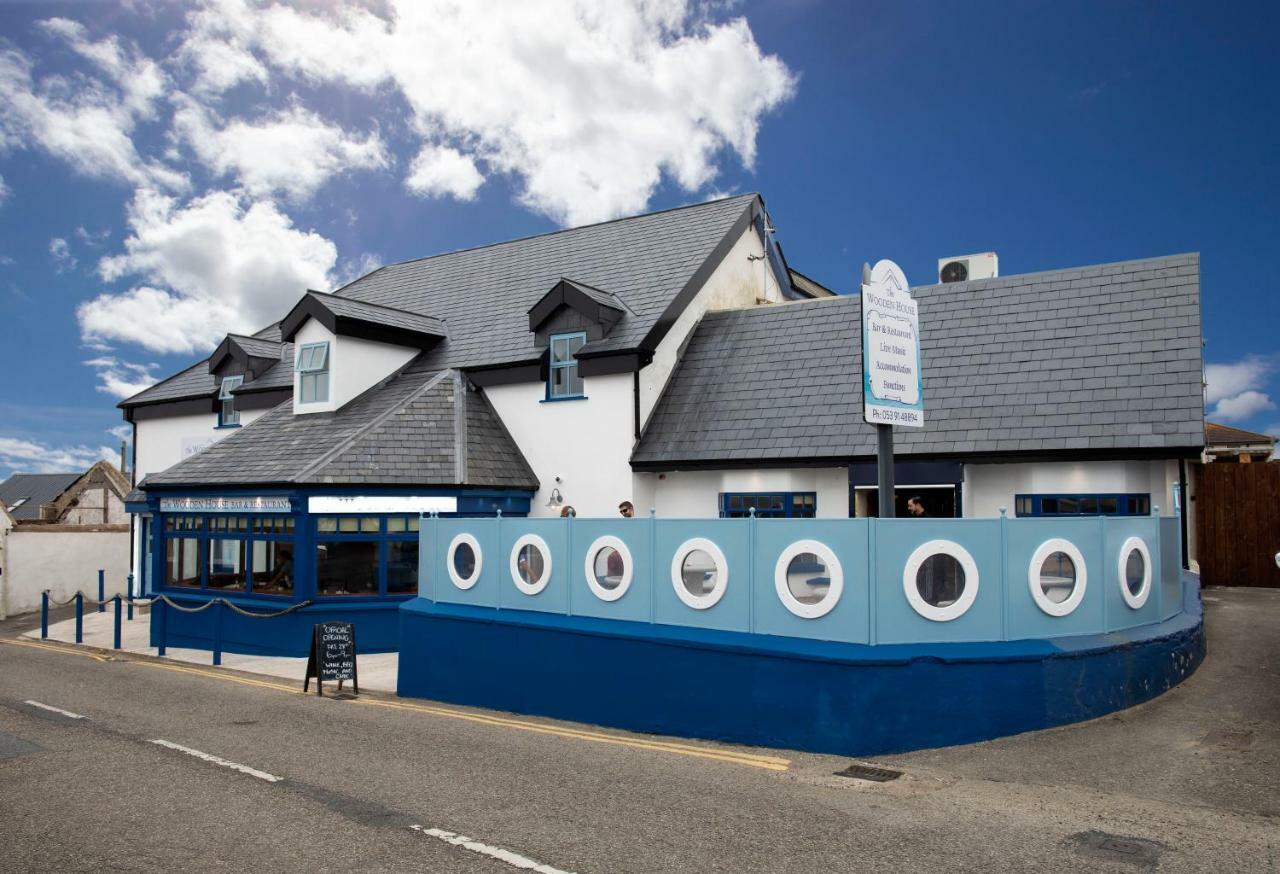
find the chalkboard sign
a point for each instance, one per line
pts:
(333, 656)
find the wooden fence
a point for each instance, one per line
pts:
(1238, 524)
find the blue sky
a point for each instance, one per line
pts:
(170, 173)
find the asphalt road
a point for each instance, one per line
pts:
(1189, 782)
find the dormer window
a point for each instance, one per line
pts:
(563, 381)
(313, 368)
(228, 415)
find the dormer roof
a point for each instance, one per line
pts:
(368, 321)
(600, 307)
(245, 351)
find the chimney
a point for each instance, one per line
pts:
(124, 457)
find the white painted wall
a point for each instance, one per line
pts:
(587, 443)
(354, 365)
(988, 487)
(695, 494)
(62, 560)
(162, 443)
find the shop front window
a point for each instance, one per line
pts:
(182, 562)
(402, 567)
(272, 567)
(347, 567)
(227, 570)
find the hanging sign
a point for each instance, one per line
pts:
(242, 504)
(333, 656)
(892, 387)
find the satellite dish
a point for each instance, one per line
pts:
(954, 271)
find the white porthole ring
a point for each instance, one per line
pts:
(541, 545)
(710, 599)
(461, 582)
(793, 604)
(1135, 544)
(628, 568)
(1043, 601)
(917, 559)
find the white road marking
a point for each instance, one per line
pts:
(515, 860)
(52, 709)
(218, 760)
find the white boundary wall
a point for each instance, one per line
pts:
(63, 560)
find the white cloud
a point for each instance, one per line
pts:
(590, 106)
(60, 252)
(216, 264)
(292, 151)
(5, 190)
(440, 170)
(29, 456)
(1238, 408)
(91, 239)
(352, 269)
(122, 379)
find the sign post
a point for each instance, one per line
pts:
(892, 386)
(333, 656)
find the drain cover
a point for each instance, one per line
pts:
(1118, 848)
(869, 772)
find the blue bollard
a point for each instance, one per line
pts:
(129, 589)
(116, 639)
(79, 617)
(161, 608)
(44, 615)
(217, 634)
(102, 591)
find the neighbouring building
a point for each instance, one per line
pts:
(1224, 443)
(57, 530)
(674, 360)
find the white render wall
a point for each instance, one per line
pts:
(988, 487)
(162, 443)
(63, 560)
(695, 494)
(354, 365)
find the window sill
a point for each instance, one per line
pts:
(225, 427)
(558, 400)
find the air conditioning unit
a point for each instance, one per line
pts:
(963, 268)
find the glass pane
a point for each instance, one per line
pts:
(559, 382)
(1049, 506)
(349, 524)
(413, 523)
(698, 572)
(609, 567)
(347, 568)
(464, 561)
(559, 350)
(531, 563)
(395, 524)
(370, 524)
(807, 578)
(940, 580)
(576, 343)
(272, 567)
(1107, 506)
(1068, 505)
(402, 567)
(1089, 506)
(1058, 577)
(182, 562)
(326, 524)
(1134, 570)
(575, 382)
(227, 565)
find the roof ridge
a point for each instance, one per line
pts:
(369, 426)
(378, 306)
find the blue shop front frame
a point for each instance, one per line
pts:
(373, 611)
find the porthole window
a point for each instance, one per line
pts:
(940, 580)
(1057, 577)
(464, 561)
(530, 564)
(1135, 572)
(699, 573)
(609, 568)
(808, 579)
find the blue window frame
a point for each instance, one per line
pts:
(769, 505)
(1091, 504)
(228, 415)
(371, 556)
(227, 554)
(313, 370)
(563, 381)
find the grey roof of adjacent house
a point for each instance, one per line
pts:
(1100, 358)
(29, 490)
(419, 428)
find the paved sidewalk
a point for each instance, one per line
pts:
(377, 671)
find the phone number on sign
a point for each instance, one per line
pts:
(897, 417)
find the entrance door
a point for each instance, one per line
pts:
(1237, 515)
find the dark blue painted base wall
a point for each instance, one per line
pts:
(377, 627)
(781, 692)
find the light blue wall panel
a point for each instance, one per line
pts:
(896, 539)
(732, 536)
(554, 598)
(1120, 615)
(1024, 537)
(636, 605)
(1170, 565)
(492, 564)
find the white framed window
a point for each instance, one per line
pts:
(530, 564)
(1134, 568)
(313, 371)
(227, 412)
(940, 580)
(1057, 577)
(699, 573)
(609, 568)
(808, 579)
(464, 560)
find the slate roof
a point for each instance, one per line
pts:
(362, 311)
(37, 488)
(257, 347)
(195, 381)
(421, 429)
(1224, 435)
(1096, 358)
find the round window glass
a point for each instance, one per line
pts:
(609, 567)
(940, 580)
(464, 560)
(808, 578)
(531, 564)
(1057, 577)
(1135, 572)
(698, 573)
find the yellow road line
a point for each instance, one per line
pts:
(65, 649)
(216, 674)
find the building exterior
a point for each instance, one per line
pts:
(1236, 445)
(673, 360)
